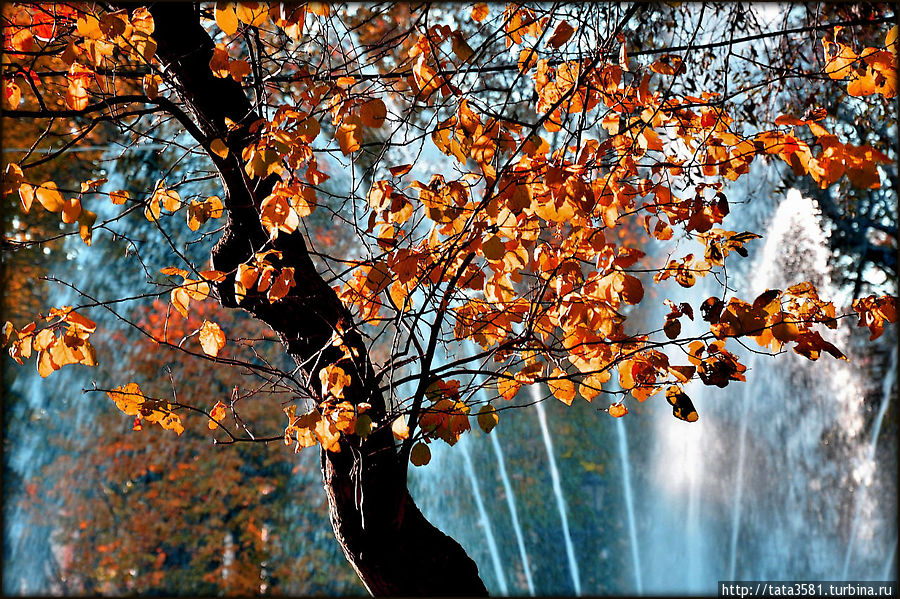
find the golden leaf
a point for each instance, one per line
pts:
(226, 18)
(212, 339)
(400, 428)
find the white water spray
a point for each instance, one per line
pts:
(557, 488)
(886, 388)
(483, 517)
(508, 491)
(738, 492)
(629, 505)
(889, 572)
(513, 512)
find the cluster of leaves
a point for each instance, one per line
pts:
(872, 71)
(130, 400)
(64, 340)
(533, 248)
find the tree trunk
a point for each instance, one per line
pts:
(390, 544)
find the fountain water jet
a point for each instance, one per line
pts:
(513, 512)
(483, 516)
(557, 488)
(507, 488)
(739, 492)
(629, 504)
(889, 573)
(886, 388)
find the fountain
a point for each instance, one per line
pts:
(557, 488)
(778, 478)
(629, 504)
(483, 518)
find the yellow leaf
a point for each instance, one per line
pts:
(172, 422)
(563, 389)
(333, 379)
(44, 364)
(127, 398)
(181, 300)
(226, 18)
(142, 21)
(487, 418)
(400, 428)
(216, 414)
(212, 339)
(12, 95)
(252, 13)
(119, 197)
(44, 339)
(508, 387)
(169, 198)
(328, 435)
(197, 290)
(49, 197)
(86, 222)
(592, 384)
(420, 454)
(219, 148)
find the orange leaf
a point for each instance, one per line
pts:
(562, 388)
(508, 387)
(252, 13)
(399, 171)
(217, 414)
(226, 18)
(12, 95)
(49, 197)
(617, 410)
(212, 339)
(373, 113)
(333, 379)
(219, 148)
(349, 135)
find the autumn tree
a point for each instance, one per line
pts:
(492, 178)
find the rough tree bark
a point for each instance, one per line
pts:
(390, 544)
